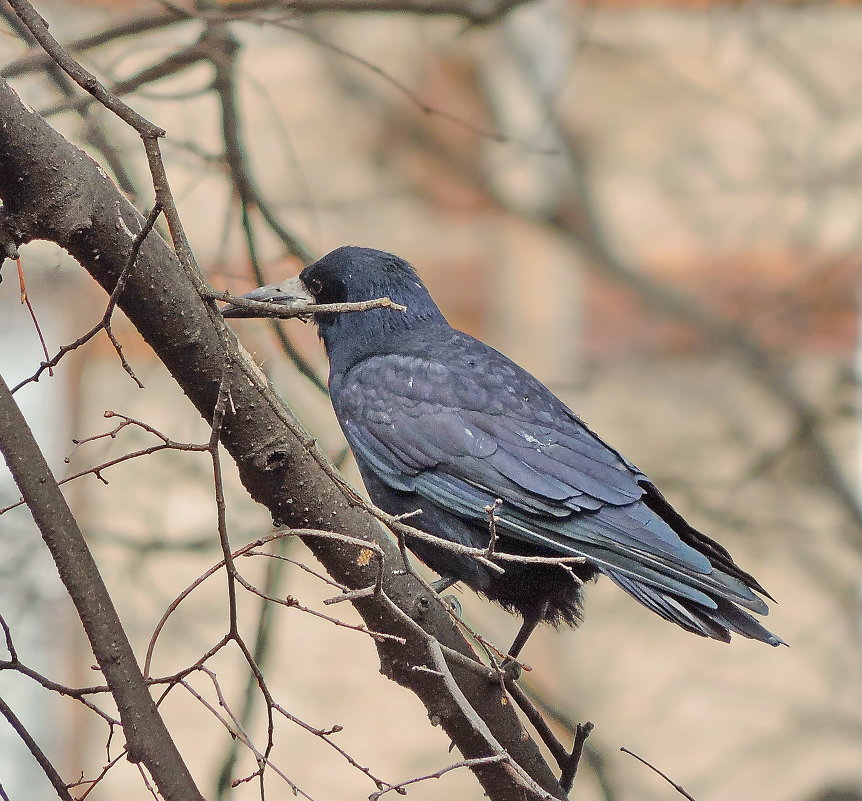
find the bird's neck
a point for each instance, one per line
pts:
(353, 336)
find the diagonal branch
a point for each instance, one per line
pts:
(38, 754)
(147, 738)
(280, 465)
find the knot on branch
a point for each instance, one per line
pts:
(277, 460)
(13, 232)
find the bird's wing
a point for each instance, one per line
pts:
(468, 428)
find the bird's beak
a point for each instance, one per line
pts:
(292, 293)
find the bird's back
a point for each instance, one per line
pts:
(440, 421)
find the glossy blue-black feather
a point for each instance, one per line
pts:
(441, 422)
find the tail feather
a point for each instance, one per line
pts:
(717, 623)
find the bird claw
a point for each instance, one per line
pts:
(453, 604)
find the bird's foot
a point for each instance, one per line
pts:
(450, 601)
(453, 604)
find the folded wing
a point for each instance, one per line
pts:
(463, 433)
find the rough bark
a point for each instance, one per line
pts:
(147, 738)
(51, 190)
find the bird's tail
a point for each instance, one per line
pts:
(717, 623)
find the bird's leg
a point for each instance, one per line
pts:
(510, 664)
(527, 628)
(443, 584)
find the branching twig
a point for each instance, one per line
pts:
(92, 783)
(78, 693)
(269, 309)
(147, 737)
(235, 731)
(293, 603)
(105, 322)
(25, 299)
(166, 444)
(272, 450)
(465, 763)
(570, 769)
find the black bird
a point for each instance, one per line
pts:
(441, 422)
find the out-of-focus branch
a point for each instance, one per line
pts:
(38, 59)
(581, 223)
(94, 133)
(225, 49)
(578, 220)
(474, 13)
(172, 65)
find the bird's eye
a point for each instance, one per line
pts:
(314, 286)
(332, 291)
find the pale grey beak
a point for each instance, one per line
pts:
(291, 293)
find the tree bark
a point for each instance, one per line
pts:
(51, 190)
(147, 737)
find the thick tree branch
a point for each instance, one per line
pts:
(147, 739)
(53, 191)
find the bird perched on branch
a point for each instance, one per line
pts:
(441, 422)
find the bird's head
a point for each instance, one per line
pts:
(348, 275)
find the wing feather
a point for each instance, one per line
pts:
(462, 438)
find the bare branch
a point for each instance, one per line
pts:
(269, 309)
(147, 738)
(464, 763)
(679, 788)
(570, 769)
(279, 463)
(105, 322)
(38, 754)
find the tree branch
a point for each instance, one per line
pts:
(38, 754)
(53, 191)
(147, 738)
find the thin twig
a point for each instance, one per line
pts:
(465, 763)
(147, 737)
(269, 309)
(102, 773)
(679, 788)
(236, 732)
(78, 693)
(105, 322)
(263, 637)
(25, 299)
(166, 444)
(413, 97)
(292, 603)
(85, 79)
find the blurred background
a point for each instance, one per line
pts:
(654, 207)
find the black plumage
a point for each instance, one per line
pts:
(441, 422)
